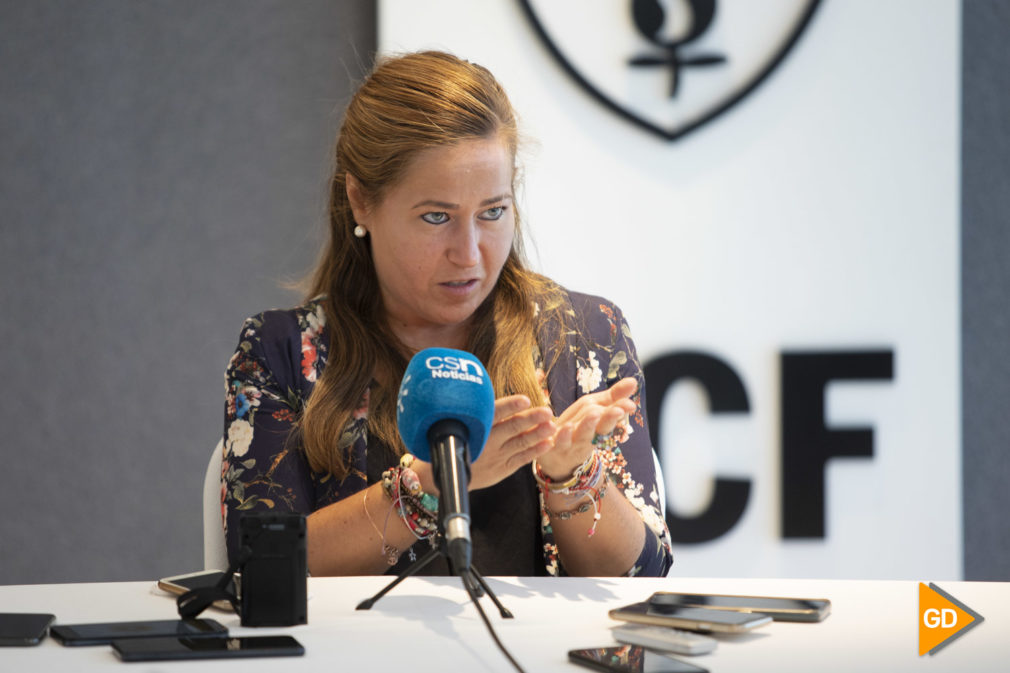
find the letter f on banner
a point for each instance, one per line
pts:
(942, 618)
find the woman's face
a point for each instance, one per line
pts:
(440, 238)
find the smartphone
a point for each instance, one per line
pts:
(158, 649)
(103, 634)
(692, 619)
(23, 628)
(180, 584)
(631, 659)
(778, 608)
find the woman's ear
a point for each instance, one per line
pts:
(356, 198)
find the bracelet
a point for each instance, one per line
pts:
(389, 551)
(418, 510)
(584, 482)
(594, 495)
(605, 442)
(584, 476)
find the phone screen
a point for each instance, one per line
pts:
(156, 649)
(23, 628)
(631, 659)
(779, 608)
(103, 634)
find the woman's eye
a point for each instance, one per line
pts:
(493, 213)
(435, 218)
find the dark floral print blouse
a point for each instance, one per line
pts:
(282, 353)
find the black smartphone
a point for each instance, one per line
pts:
(631, 659)
(103, 634)
(780, 609)
(18, 629)
(159, 649)
(692, 619)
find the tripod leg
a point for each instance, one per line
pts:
(407, 572)
(502, 610)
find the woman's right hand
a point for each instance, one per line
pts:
(519, 434)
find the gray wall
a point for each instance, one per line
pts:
(985, 287)
(162, 173)
(162, 168)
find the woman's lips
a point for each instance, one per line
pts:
(460, 286)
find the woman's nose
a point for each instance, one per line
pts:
(464, 247)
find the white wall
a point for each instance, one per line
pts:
(821, 213)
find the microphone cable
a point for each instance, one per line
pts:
(468, 583)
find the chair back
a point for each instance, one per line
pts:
(215, 553)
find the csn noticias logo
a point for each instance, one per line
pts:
(456, 368)
(942, 619)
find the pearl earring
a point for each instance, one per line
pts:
(359, 231)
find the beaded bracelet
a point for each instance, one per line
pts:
(594, 495)
(607, 441)
(584, 482)
(585, 476)
(417, 509)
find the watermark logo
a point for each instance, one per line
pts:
(942, 619)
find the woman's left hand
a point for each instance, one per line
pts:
(590, 415)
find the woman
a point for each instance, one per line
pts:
(424, 251)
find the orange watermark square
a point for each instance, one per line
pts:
(942, 619)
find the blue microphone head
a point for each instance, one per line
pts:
(439, 384)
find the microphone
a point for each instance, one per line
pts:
(444, 413)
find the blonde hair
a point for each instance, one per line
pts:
(408, 104)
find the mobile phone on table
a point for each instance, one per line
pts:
(664, 638)
(19, 629)
(180, 584)
(691, 619)
(105, 633)
(160, 649)
(631, 659)
(778, 608)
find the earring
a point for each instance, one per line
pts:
(359, 231)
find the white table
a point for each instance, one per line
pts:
(428, 624)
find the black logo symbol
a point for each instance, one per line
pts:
(649, 18)
(669, 66)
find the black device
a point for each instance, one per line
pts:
(780, 609)
(275, 569)
(159, 649)
(180, 584)
(105, 633)
(692, 619)
(204, 579)
(18, 629)
(631, 659)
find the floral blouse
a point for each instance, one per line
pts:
(271, 375)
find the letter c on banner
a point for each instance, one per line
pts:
(726, 394)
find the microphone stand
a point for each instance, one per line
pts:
(472, 580)
(447, 436)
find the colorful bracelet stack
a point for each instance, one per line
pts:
(417, 509)
(585, 481)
